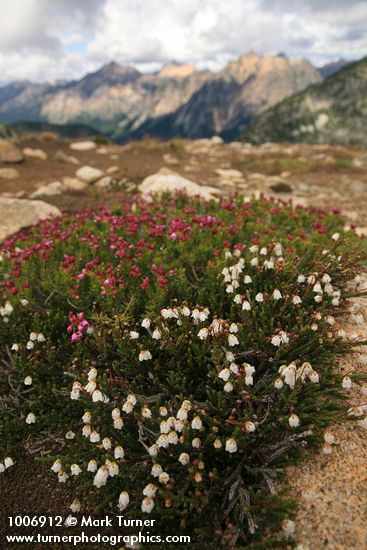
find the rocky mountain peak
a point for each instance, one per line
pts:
(111, 74)
(252, 65)
(176, 70)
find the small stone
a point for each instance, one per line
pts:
(83, 145)
(74, 184)
(89, 174)
(307, 494)
(9, 152)
(112, 169)
(359, 162)
(104, 183)
(63, 157)
(229, 173)
(216, 140)
(9, 173)
(49, 190)
(35, 153)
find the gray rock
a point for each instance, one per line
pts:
(16, 214)
(9, 152)
(9, 173)
(89, 174)
(83, 145)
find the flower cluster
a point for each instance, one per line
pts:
(180, 347)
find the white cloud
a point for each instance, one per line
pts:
(49, 39)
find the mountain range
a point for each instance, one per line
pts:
(121, 102)
(333, 111)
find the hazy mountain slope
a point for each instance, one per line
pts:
(122, 102)
(226, 103)
(333, 111)
(331, 68)
(113, 100)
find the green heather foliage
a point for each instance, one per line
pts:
(185, 350)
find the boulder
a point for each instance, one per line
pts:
(89, 174)
(48, 190)
(9, 152)
(159, 183)
(9, 173)
(83, 145)
(35, 153)
(64, 157)
(74, 184)
(16, 214)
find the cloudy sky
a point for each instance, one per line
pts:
(52, 39)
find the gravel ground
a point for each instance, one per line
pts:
(332, 489)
